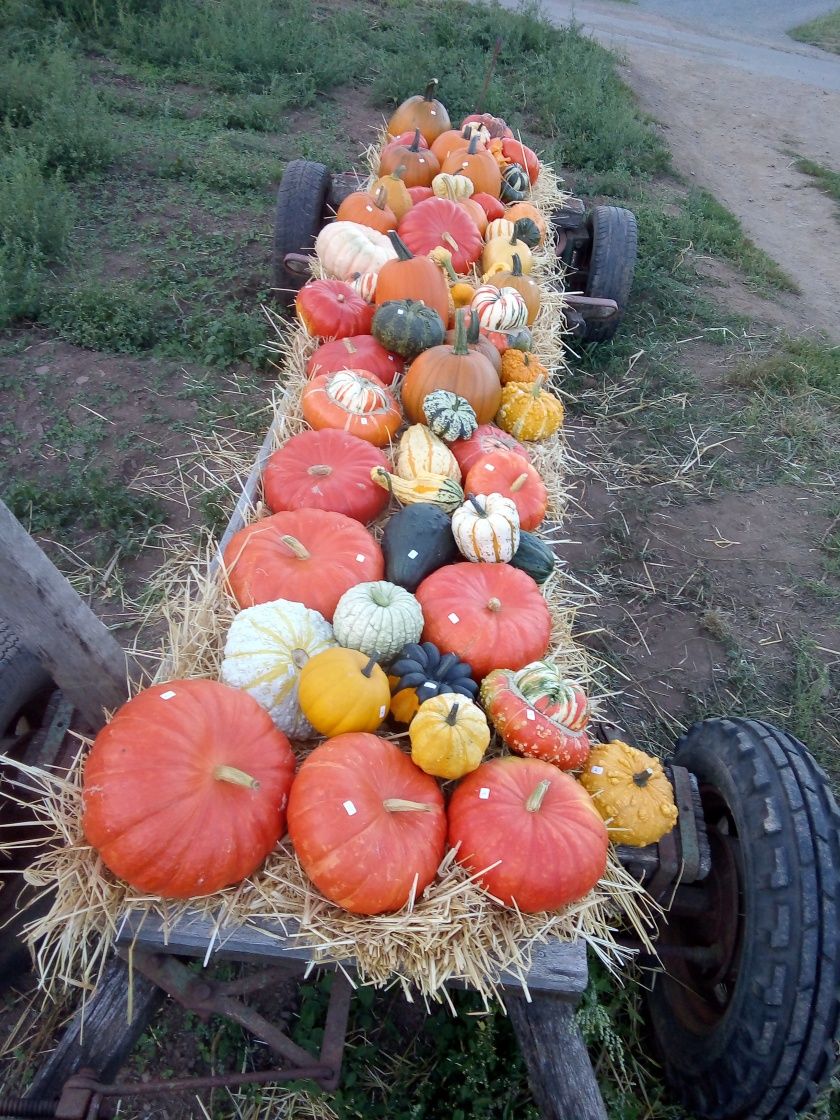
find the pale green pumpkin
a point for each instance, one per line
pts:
(378, 619)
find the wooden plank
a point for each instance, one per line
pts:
(76, 649)
(558, 967)
(101, 1035)
(559, 1071)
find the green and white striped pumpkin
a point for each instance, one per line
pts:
(378, 619)
(449, 416)
(266, 648)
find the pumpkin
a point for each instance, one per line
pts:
(505, 472)
(495, 149)
(477, 340)
(478, 165)
(490, 615)
(499, 227)
(631, 792)
(457, 188)
(360, 351)
(528, 412)
(331, 309)
(421, 671)
(519, 210)
(435, 489)
(498, 254)
(449, 416)
(420, 194)
(406, 137)
(176, 758)
(326, 470)
(486, 438)
(514, 150)
(421, 165)
(364, 285)
(440, 222)
(407, 326)
(310, 556)
(515, 278)
(467, 373)
(450, 141)
(529, 832)
(397, 198)
(527, 230)
(415, 278)
(499, 309)
(424, 112)
(534, 556)
(265, 650)
(538, 712)
(515, 184)
(343, 690)
(377, 619)
(347, 248)
(475, 212)
(368, 826)
(449, 736)
(491, 206)
(519, 365)
(421, 452)
(416, 541)
(495, 125)
(486, 529)
(354, 401)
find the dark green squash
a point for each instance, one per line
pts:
(419, 672)
(534, 557)
(515, 184)
(416, 541)
(407, 327)
(526, 229)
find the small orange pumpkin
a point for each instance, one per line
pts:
(421, 165)
(521, 365)
(505, 472)
(477, 164)
(368, 210)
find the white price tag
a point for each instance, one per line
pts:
(382, 711)
(413, 554)
(167, 695)
(360, 558)
(349, 808)
(596, 769)
(529, 714)
(483, 793)
(453, 618)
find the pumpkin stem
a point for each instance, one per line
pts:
(518, 483)
(431, 90)
(381, 596)
(235, 777)
(643, 777)
(294, 545)
(494, 604)
(299, 657)
(532, 805)
(480, 509)
(450, 240)
(473, 329)
(473, 148)
(452, 718)
(399, 172)
(399, 805)
(466, 131)
(402, 250)
(536, 388)
(459, 346)
(320, 469)
(368, 669)
(415, 143)
(380, 198)
(517, 263)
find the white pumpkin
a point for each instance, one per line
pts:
(499, 227)
(345, 248)
(266, 648)
(499, 309)
(486, 528)
(454, 187)
(357, 391)
(378, 619)
(421, 452)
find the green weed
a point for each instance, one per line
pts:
(822, 32)
(827, 180)
(796, 365)
(114, 316)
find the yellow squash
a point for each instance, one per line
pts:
(528, 412)
(631, 792)
(449, 736)
(435, 489)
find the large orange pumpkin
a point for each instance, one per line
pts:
(491, 615)
(486, 438)
(459, 369)
(367, 824)
(424, 112)
(309, 556)
(531, 831)
(354, 401)
(412, 277)
(506, 472)
(421, 165)
(368, 209)
(185, 789)
(477, 164)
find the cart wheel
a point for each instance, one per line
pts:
(746, 1010)
(612, 262)
(301, 204)
(24, 686)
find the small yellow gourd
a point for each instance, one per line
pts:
(461, 292)
(449, 736)
(421, 452)
(454, 187)
(436, 489)
(397, 198)
(528, 412)
(631, 792)
(501, 250)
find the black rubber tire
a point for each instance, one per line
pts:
(612, 262)
(771, 1047)
(24, 685)
(300, 214)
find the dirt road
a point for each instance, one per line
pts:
(739, 101)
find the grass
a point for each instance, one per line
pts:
(822, 32)
(828, 181)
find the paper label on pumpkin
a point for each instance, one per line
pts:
(167, 695)
(489, 467)
(483, 793)
(413, 554)
(428, 684)
(529, 714)
(360, 559)
(453, 618)
(596, 769)
(382, 711)
(350, 808)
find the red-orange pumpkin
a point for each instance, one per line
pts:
(491, 206)
(421, 165)
(359, 351)
(367, 824)
(494, 125)
(491, 615)
(462, 371)
(310, 556)
(438, 222)
(406, 137)
(477, 164)
(368, 210)
(185, 790)
(451, 141)
(505, 472)
(412, 277)
(325, 470)
(420, 194)
(516, 152)
(538, 827)
(331, 309)
(354, 401)
(486, 438)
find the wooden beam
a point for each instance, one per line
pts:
(77, 650)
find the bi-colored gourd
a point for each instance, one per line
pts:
(499, 309)
(528, 411)
(449, 735)
(421, 452)
(486, 529)
(420, 671)
(185, 789)
(457, 188)
(353, 401)
(435, 489)
(534, 556)
(397, 198)
(347, 248)
(416, 541)
(527, 210)
(530, 831)
(539, 712)
(631, 792)
(527, 287)
(449, 416)
(343, 690)
(378, 619)
(266, 648)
